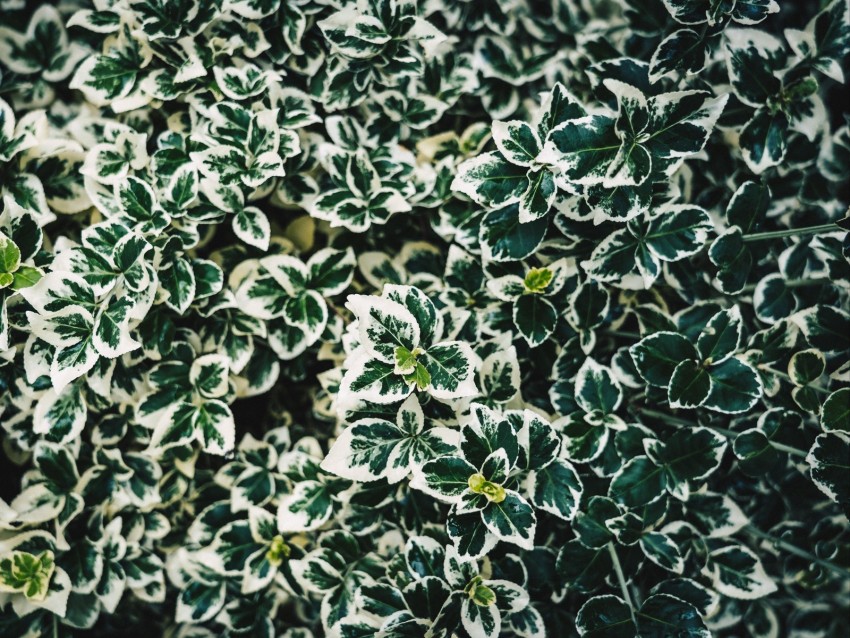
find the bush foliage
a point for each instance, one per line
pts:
(437, 319)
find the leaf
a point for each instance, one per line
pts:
(10, 255)
(111, 337)
(489, 180)
(596, 388)
(535, 318)
(384, 325)
(829, 460)
(517, 142)
(663, 551)
(179, 281)
(638, 482)
(446, 479)
(678, 232)
(200, 601)
(590, 522)
(605, 617)
(737, 572)
(752, 59)
(451, 370)
(735, 387)
(209, 375)
(748, 206)
(331, 270)
(373, 380)
(682, 50)
(689, 386)
(657, 356)
(252, 226)
(825, 327)
(763, 140)
(583, 149)
(363, 452)
(835, 414)
(538, 197)
(308, 507)
(806, 366)
(25, 573)
(511, 520)
(663, 615)
(825, 39)
(505, 238)
(556, 489)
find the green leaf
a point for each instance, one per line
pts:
(605, 617)
(450, 368)
(489, 180)
(505, 238)
(373, 380)
(331, 270)
(829, 460)
(25, 573)
(657, 356)
(252, 226)
(688, 455)
(662, 615)
(825, 327)
(556, 489)
(384, 325)
(735, 387)
(825, 39)
(748, 206)
(511, 520)
(364, 450)
(596, 388)
(583, 149)
(764, 140)
(682, 50)
(835, 414)
(535, 318)
(678, 232)
(538, 197)
(806, 366)
(308, 507)
(112, 336)
(638, 482)
(517, 142)
(200, 601)
(735, 571)
(10, 255)
(753, 57)
(446, 479)
(589, 524)
(689, 386)
(179, 282)
(663, 551)
(720, 337)
(61, 415)
(26, 277)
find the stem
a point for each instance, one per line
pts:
(792, 232)
(622, 579)
(681, 423)
(793, 549)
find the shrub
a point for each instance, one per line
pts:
(402, 319)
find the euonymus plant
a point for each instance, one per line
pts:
(425, 318)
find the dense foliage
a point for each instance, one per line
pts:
(448, 318)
